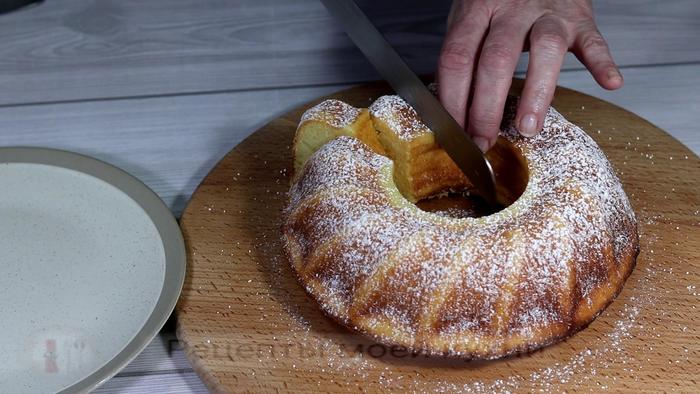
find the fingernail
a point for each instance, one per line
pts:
(528, 125)
(482, 143)
(614, 74)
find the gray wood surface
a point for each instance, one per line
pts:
(172, 382)
(164, 88)
(87, 49)
(170, 143)
(161, 368)
(667, 96)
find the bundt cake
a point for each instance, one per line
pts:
(483, 287)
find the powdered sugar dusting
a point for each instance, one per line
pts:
(349, 160)
(510, 275)
(333, 112)
(399, 116)
(352, 362)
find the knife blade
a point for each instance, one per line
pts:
(14, 5)
(448, 133)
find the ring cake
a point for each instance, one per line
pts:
(484, 287)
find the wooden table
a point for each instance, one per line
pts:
(165, 88)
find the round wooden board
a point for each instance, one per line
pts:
(246, 324)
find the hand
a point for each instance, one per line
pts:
(481, 50)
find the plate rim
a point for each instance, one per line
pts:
(158, 213)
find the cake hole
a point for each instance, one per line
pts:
(456, 205)
(510, 169)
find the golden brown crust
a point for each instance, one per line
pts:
(513, 346)
(528, 276)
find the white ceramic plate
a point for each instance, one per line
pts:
(91, 266)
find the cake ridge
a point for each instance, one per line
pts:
(334, 112)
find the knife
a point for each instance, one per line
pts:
(13, 5)
(448, 133)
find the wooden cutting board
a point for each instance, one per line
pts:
(246, 324)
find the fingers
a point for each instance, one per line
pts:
(548, 46)
(457, 58)
(481, 50)
(499, 57)
(592, 50)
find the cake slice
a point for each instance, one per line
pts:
(328, 120)
(422, 168)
